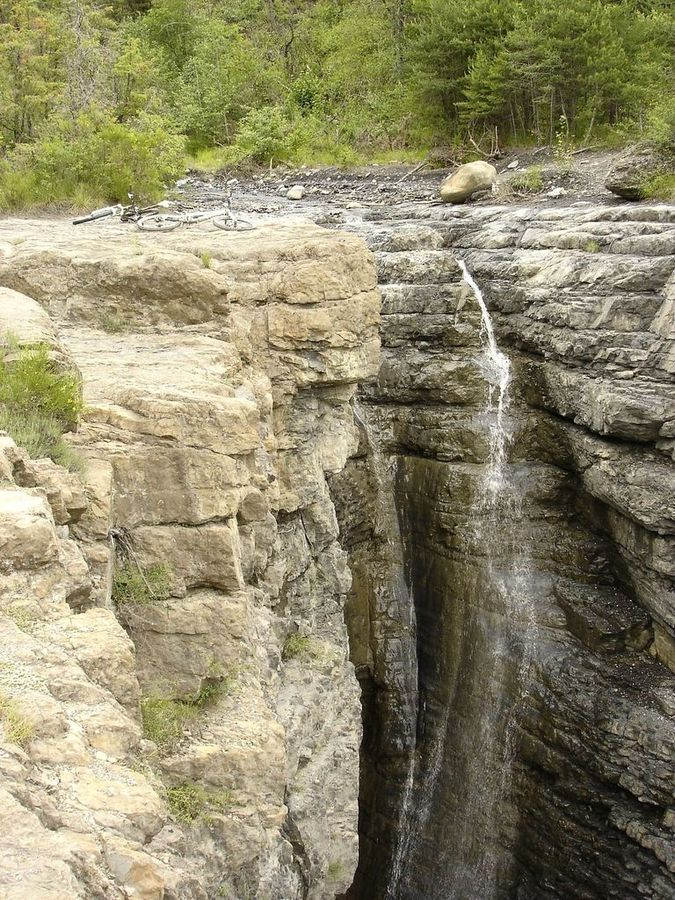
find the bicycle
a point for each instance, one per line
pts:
(221, 218)
(130, 213)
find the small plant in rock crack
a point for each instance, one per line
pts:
(112, 323)
(206, 258)
(189, 801)
(135, 585)
(212, 689)
(296, 645)
(164, 720)
(335, 870)
(591, 246)
(302, 646)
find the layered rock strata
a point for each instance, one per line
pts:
(559, 618)
(204, 744)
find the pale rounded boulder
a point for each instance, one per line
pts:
(465, 181)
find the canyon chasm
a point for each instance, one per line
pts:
(411, 480)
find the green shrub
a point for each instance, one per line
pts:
(263, 134)
(659, 187)
(38, 403)
(164, 721)
(592, 246)
(90, 160)
(529, 182)
(29, 381)
(133, 585)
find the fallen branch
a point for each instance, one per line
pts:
(584, 149)
(482, 152)
(422, 165)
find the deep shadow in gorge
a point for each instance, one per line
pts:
(571, 801)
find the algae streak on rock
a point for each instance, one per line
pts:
(210, 746)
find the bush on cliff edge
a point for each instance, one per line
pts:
(38, 403)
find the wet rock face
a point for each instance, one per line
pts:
(218, 399)
(540, 648)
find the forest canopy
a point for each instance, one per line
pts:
(97, 100)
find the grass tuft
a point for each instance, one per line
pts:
(186, 801)
(164, 721)
(591, 246)
(18, 729)
(30, 382)
(530, 181)
(206, 258)
(659, 187)
(41, 436)
(140, 587)
(38, 403)
(189, 801)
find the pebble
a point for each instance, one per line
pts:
(297, 192)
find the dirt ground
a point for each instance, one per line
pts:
(578, 178)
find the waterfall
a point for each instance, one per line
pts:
(461, 756)
(499, 648)
(497, 370)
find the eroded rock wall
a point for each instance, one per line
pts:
(575, 799)
(217, 374)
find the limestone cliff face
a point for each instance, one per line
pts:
(217, 374)
(515, 662)
(572, 799)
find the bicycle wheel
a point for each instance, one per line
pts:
(231, 224)
(159, 223)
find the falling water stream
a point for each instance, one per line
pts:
(497, 370)
(489, 678)
(507, 641)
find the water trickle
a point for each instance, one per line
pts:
(497, 370)
(500, 621)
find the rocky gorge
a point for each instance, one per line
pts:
(423, 681)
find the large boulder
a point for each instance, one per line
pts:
(469, 178)
(629, 176)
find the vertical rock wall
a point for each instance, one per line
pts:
(217, 373)
(582, 301)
